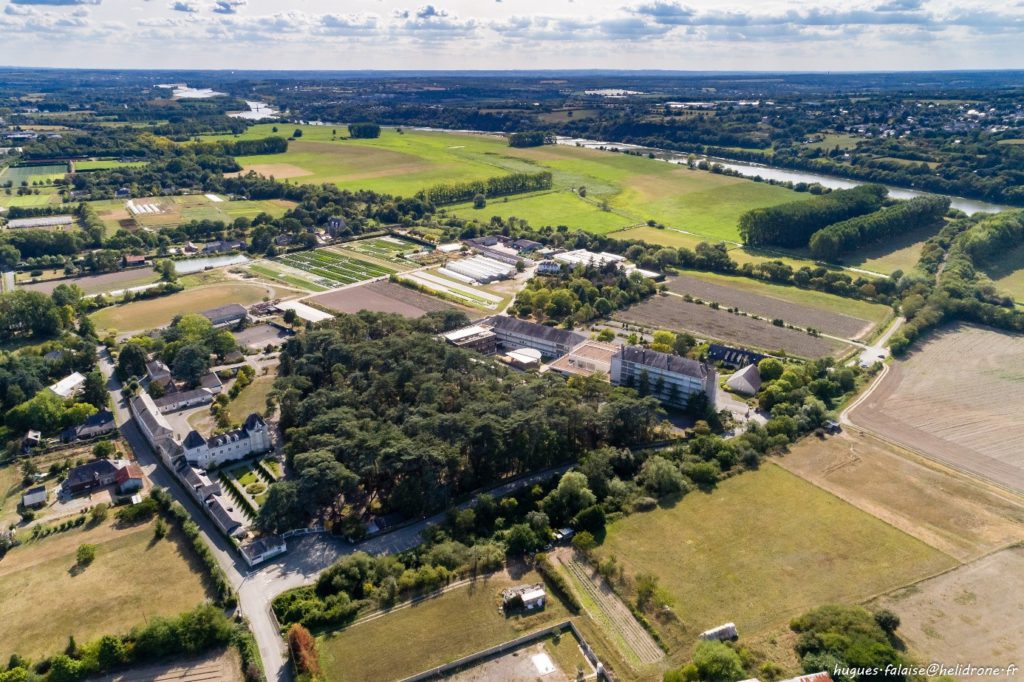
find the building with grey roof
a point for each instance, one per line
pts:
(672, 379)
(182, 400)
(154, 426)
(231, 313)
(514, 333)
(746, 381)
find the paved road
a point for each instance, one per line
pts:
(307, 557)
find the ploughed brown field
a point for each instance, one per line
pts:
(672, 312)
(385, 297)
(958, 398)
(769, 307)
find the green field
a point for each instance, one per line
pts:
(252, 398)
(30, 174)
(268, 270)
(635, 188)
(119, 590)
(833, 140)
(158, 312)
(550, 209)
(1007, 273)
(105, 164)
(331, 269)
(47, 196)
(763, 547)
(435, 631)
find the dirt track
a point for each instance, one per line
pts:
(384, 297)
(958, 398)
(219, 667)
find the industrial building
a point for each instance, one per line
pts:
(475, 337)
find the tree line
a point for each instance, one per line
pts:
(793, 223)
(534, 138)
(516, 183)
(848, 235)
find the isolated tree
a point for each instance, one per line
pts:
(85, 554)
(94, 391)
(479, 201)
(131, 361)
(191, 363)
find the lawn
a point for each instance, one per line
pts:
(30, 174)
(763, 547)
(252, 398)
(1007, 273)
(549, 209)
(665, 237)
(118, 590)
(635, 188)
(432, 632)
(899, 253)
(175, 210)
(158, 312)
(46, 197)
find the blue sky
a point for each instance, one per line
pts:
(497, 34)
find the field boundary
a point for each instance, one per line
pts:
(472, 659)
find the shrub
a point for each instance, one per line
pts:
(85, 554)
(302, 648)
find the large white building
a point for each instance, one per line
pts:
(70, 386)
(672, 379)
(252, 438)
(481, 269)
(154, 426)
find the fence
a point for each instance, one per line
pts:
(303, 531)
(511, 645)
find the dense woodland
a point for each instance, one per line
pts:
(378, 415)
(792, 224)
(842, 237)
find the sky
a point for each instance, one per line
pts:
(762, 35)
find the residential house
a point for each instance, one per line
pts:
(211, 382)
(158, 372)
(225, 515)
(34, 498)
(252, 438)
(672, 379)
(225, 315)
(94, 426)
(70, 386)
(183, 400)
(263, 549)
(97, 474)
(130, 261)
(129, 479)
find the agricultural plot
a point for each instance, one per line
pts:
(960, 516)
(976, 612)
(449, 288)
(958, 399)
(634, 189)
(105, 164)
(414, 638)
(163, 212)
(56, 600)
(388, 249)
(331, 269)
(99, 284)
(46, 197)
(384, 297)
(762, 548)
(673, 313)
(800, 307)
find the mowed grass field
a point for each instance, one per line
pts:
(764, 547)
(1007, 273)
(435, 631)
(550, 209)
(119, 590)
(635, 188)
(158, 312)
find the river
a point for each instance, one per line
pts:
(258, 111)
(750, 170)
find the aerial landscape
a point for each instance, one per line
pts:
(643, 342)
